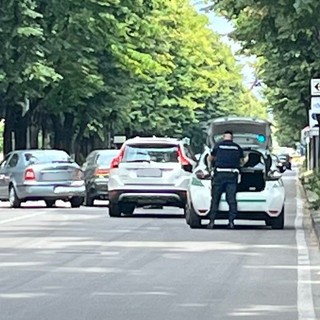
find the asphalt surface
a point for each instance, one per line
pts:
(74, 264)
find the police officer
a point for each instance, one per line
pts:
(227, 157)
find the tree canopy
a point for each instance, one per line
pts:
(285, 35)
(90, 70)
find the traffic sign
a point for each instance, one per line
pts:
(315, 87)
(312, 119)
(315, 105)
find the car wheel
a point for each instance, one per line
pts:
(278, 222)
(50, 203)
(127, 208)
(88, 201)
(192, 219)
(114, 210)
(14, 201)
(76, 202)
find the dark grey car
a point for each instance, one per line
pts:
(96, 174)
(47, 175)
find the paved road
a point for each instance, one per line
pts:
(71, 264)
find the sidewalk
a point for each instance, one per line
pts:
(311, 197)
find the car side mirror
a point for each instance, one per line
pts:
(203, 174)
(281, 169)
(275, 175)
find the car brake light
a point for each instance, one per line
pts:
(115, 162)
(182, 159)
(29, 175)
(102, 172)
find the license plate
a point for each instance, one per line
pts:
(68, 190)
(154, 173)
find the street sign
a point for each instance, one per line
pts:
(119, 139)
(312, 119)
(315, 87)
(315, 105)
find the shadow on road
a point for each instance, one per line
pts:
(155, 215)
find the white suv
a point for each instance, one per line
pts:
(150, 171)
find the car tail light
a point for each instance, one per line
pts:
(29, 175)
(102, 172)
(115, 162)
(182, 159)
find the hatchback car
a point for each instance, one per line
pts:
(261, 193)
(47, 175)
(96, 174)
(150, 171)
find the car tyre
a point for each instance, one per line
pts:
(50, 203)
(278, 222)
(14, 201)
(76, 202)
(114, 210)
(127, 208)
(193, 220)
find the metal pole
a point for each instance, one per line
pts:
(318, 138)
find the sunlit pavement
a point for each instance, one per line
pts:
(63, 263)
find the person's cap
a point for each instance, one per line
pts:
(228, 132)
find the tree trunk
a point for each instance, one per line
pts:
(34, 136)
(57, 132)
(20, 133)
(68, 133)
(8, 129)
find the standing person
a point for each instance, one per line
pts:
(227, 157)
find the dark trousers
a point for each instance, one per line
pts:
(224, 182)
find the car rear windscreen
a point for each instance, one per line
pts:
(105, 159)
(161, 153)
(47, 156)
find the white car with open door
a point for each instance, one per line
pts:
(261, 193)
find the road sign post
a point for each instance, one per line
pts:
(315, 108)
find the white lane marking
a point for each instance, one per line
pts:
(304, 288)
(22, 217)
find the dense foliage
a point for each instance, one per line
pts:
(286, 36)
(91, 69)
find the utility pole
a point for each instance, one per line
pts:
(25, 109)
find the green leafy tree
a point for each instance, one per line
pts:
(286, 36)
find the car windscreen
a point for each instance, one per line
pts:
(48, 156)
(104, 159)
(161, 153)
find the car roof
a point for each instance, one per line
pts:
(105, 151)
(36, 150)
(155, 140)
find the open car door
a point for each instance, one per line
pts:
(199, 193)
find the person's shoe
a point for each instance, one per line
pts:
(231, 225)
(210, 225)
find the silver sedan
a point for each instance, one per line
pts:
(47, 175)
